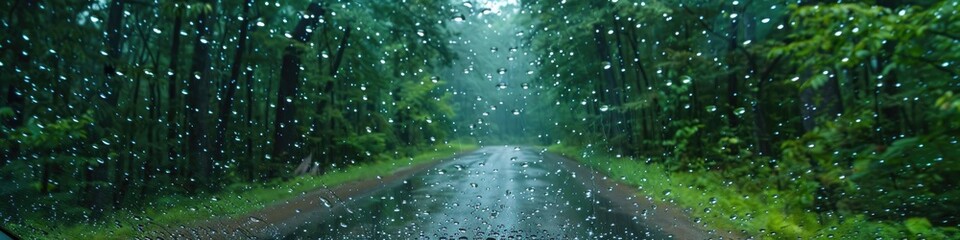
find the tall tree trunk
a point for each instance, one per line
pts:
(198, 102)
(251, 163)
(641, 73)
(100, 195)
(16, 102)
(732, 81)
(226, 105)
(286, 132)
(152, 137)
(621, 89)
(760, 116)
(820, 102)
(609, 84)
(173, 92)
(335, 67)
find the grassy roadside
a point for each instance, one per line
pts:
(235, 200)
(718, 204)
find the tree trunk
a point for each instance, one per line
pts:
(226, 105)
(198, 102)
(100, 195)
(732, 81)
(173, 91)
(760, 121)
(343, 47)
(16, 102)
(609, 85)
(285, 126)
(621, 89)
(641, 73)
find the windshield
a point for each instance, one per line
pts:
(480, 119)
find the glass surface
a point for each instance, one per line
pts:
(480, 119)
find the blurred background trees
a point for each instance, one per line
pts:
(840, 107)
(109, 103)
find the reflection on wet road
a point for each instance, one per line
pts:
(496, 192)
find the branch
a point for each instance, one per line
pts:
(944, 34)
(937, 66)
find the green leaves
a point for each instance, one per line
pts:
(918, 225)
(6, 112)
(37, 135)
(814, 82)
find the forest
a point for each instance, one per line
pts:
(832, 118)
(106, 104)
(842, 109)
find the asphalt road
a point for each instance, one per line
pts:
(493, 193)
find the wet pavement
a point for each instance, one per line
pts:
(500, 192)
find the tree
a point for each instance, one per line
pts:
(285, 126)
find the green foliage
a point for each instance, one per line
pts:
(93, 128)
(720, 204)
(38, 136)
(841, 115)
(178, 210)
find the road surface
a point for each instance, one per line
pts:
(497, 193)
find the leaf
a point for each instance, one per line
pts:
(6, 112)
(815, 82)
(918, 225)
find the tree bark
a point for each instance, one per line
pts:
(609, 85)
(226, 105)
(732, 81)
(286, 132)
(335, 68)
(198, 103)
(173, 91)
(100, 195)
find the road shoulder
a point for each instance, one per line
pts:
(280, 219)
(661, 216)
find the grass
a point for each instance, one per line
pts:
(238, 199)
(718, 204)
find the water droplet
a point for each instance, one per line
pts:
(325, 202)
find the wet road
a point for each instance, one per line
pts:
(495, 192)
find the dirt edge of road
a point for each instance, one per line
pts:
(282, 218)
(667, 218)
